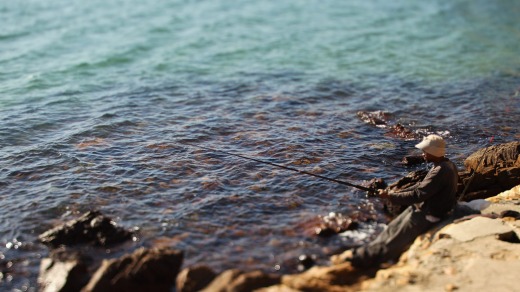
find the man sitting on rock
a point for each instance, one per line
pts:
(430, 201)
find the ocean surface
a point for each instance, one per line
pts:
(100, 101)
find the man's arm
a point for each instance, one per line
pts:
(429, 186)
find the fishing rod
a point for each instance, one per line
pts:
(367, 189)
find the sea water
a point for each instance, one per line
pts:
(99, 100)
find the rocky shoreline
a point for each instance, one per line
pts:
(463, 253)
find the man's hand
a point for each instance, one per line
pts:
(383, 194)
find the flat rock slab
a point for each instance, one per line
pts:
(475, 228)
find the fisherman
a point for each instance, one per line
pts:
(429, 201)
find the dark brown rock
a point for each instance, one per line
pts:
(91, 228)
(144, 270)
(194, 279)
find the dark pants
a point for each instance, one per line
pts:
(394, 240)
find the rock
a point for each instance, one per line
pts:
(237, 281)
(496, 169)
(376, 118)
(497, 156)
(144, 270)
(194, 279)
(401, 131)
(506, 196)
(510, 213)
(91, 228)
(63, 272)
(305, 262)
(474, 228)
(377, 184)
(333, 278)
(253, 280)
(222, 281)
(382, 119)
(413, 160)
(335, 223)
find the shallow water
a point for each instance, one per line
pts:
(99, 100)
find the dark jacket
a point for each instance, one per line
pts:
(436, 194)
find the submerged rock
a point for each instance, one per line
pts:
(91, 228)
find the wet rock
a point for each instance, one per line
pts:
(377, 184)
(413, 160)
(90, 228)
(144, 270)
(401, 131)
(63, 271)
(381, 119)
(237, 281)
(376, 118)
(194, 279)
(335, 223)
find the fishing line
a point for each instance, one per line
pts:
(367, 189)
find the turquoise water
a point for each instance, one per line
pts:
(97, 98)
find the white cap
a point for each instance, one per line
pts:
(434, 145)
